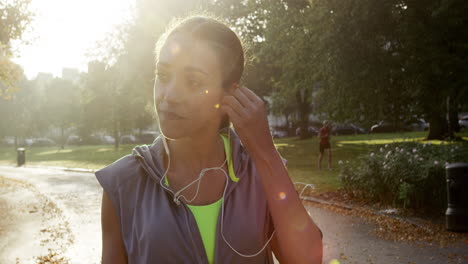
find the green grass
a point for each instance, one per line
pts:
(88, 157)
(302, 155)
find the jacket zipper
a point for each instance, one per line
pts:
(142, 159)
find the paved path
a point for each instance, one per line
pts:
(78, 196)
(347, 239)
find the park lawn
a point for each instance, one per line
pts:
(87, 157)
(302, 155)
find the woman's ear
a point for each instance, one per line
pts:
(231, 89)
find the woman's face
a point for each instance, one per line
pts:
(187, 89)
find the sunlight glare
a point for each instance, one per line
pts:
(175, 48)
(63, 32)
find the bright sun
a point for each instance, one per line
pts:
(64, 30)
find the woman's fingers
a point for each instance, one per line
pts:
(244, 108)
(233, 116)
(251, 95)
(233, 103)
(243, 99)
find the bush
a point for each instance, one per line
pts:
(409, 175)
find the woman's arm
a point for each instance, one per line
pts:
(113, 250)
(298, 239)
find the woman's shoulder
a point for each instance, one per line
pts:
(118, 173)
(144, 159)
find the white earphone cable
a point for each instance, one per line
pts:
(177, 195)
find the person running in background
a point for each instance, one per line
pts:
(324, 136)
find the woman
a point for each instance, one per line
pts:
(197, 195)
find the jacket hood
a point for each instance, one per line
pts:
(151, 157)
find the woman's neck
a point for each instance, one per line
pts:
(192, 154)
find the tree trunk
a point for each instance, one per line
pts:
(62, 139)
(450, 129)
(437, 127)
(453, 116)
(116, 134)
(304, 111)
(289, 127)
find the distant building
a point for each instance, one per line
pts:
(96, 66)
(43, 79)
(71, 74)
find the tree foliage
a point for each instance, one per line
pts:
(359, 61)
(15, 18)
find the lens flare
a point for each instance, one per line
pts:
(334, 261)
(281, 195)
(206, 91)
(216, 105)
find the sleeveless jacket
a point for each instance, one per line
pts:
(157, 230)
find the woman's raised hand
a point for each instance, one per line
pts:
(247, 112)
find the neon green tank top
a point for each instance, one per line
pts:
(206, 216)
(207, 219)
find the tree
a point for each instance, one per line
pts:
(124, 85)
(395, 60)
(60, 107)
(15, 17)
(21, 115)
(102, 101)
(435, 35)
(290, 47)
